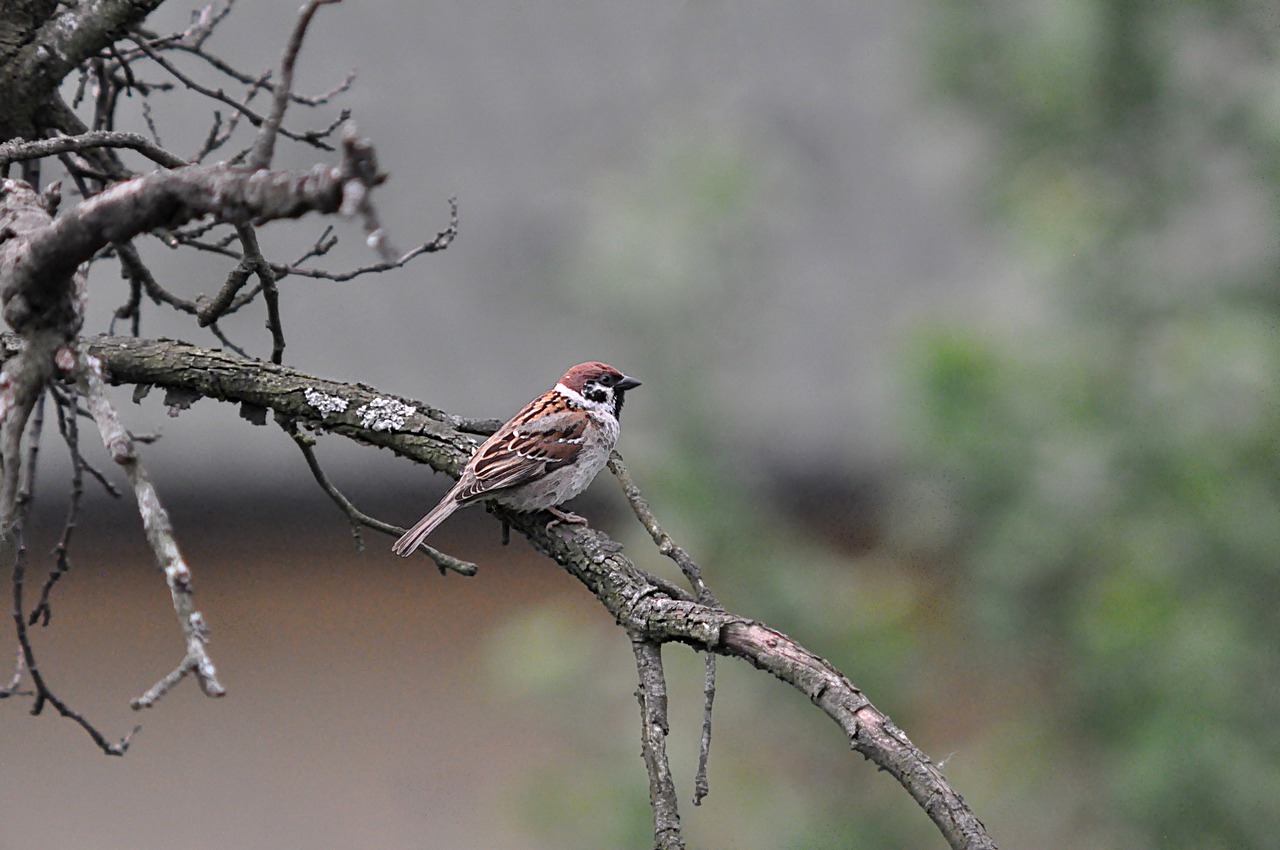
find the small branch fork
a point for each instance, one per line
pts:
(667, 546)
(357, 517)
(264, 148)
(21, 393)
(155, 521)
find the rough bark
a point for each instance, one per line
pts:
(646, 607)
(39, 47)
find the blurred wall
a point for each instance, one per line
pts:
(744, 204)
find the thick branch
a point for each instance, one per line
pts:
(23, 217)
(64, 41)
(168, 199)
(48, 254)
(642, 605)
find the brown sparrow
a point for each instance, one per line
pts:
(546, 455)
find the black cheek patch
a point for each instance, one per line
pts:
(596, 394)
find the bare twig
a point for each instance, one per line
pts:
(260, 266)
(17, 149)
(131, 309)
(358, 517)
(192, 39)
(263, 81)
(701, 788)
(439, 242)
(11, 689)
(159, 531)
(226, 341)
(68, 426)
(140, 276)
(264, 147)
(213, 140)
(203, 23)
(313, 138)
(667, 546)
(20, 387)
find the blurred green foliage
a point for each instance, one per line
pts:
(1079, 588)
(1113, 467)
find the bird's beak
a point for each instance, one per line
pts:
(627, 383)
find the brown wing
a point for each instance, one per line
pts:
(546, 435)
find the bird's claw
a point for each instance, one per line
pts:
(564, 517)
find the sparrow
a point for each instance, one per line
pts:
(544, 456)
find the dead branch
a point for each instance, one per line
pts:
(358, 517)
(701, 787)
(264, 147)
(17, 150)
(21, 387)
(315, 138)
(53, 249)
(159, 531)
(43, 300)
(67, 39)
(652, 694)
(641, 604)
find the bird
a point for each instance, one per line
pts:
(545, 455)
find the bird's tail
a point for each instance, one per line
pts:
(409, 542)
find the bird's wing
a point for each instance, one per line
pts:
(523, 451)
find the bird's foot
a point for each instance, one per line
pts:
(564, 517)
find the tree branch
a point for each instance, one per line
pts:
(667, 546)
(314, 137)
(68, 39)
(358, 517)
(701, 788)
(264, 147)
(21, 385)
(17, 149)
(54, 248)
(654, 727)
(642, 605)
(155, 521)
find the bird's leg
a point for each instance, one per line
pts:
(564, 517)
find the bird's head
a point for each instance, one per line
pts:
(602, 387)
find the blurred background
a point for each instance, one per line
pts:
(958, 331)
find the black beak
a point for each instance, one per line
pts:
(626, 383)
